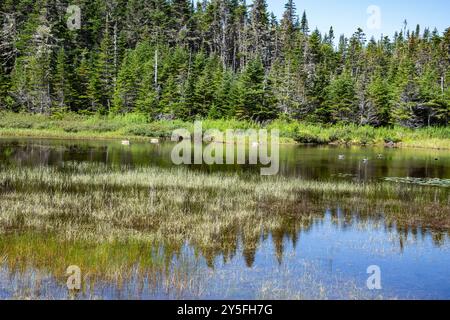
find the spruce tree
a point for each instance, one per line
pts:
(341, 98)
(254, 90)
(304, 25)
(380, 97)
(288, 27)
(61, 85)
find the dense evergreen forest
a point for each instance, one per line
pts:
(216, 59)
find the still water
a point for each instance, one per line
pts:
(326, 259)
(313, 163)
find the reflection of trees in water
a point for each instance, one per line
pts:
(34, 153)
(281, 219)
(289, 221)
(282, 223)
(255, 220)
(27, 155)
(308, 163)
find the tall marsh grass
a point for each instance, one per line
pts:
(95, 202)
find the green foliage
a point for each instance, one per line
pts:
(172, 60)
(380, 99)
(254, 94)
(341, 98)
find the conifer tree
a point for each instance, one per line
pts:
(380, 99)
(304, 25)
(260, 30)
(288, 26)
(341, 98)
(254, 93)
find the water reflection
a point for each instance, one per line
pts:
(301, 161)
(325, 257)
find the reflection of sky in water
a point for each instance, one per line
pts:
(329, 260)
(339, 258)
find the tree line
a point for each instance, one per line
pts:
(218, 59)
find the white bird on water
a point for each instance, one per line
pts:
(126, 142)
(341, 157)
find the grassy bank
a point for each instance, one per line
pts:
(136, 127)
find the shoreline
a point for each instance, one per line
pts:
(138, 128)
(10, 133)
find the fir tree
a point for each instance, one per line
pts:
(304, 25)
(61, 84)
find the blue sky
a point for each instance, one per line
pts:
(347, 15)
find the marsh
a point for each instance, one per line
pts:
(140, 227)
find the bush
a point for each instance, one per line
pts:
(103, 127)
(71, 128)
(149, 130)
(390, 139)
(303, 136)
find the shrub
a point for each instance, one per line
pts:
(303, 136)
(149, 130)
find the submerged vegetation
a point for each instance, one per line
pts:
(421, 181)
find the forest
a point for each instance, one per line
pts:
(217, 59)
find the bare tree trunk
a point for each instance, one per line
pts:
(115, 54)
(156, 69)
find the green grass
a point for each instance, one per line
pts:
(137, 127)
(434, 137)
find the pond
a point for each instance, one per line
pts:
(140, 229)
(307, 162)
